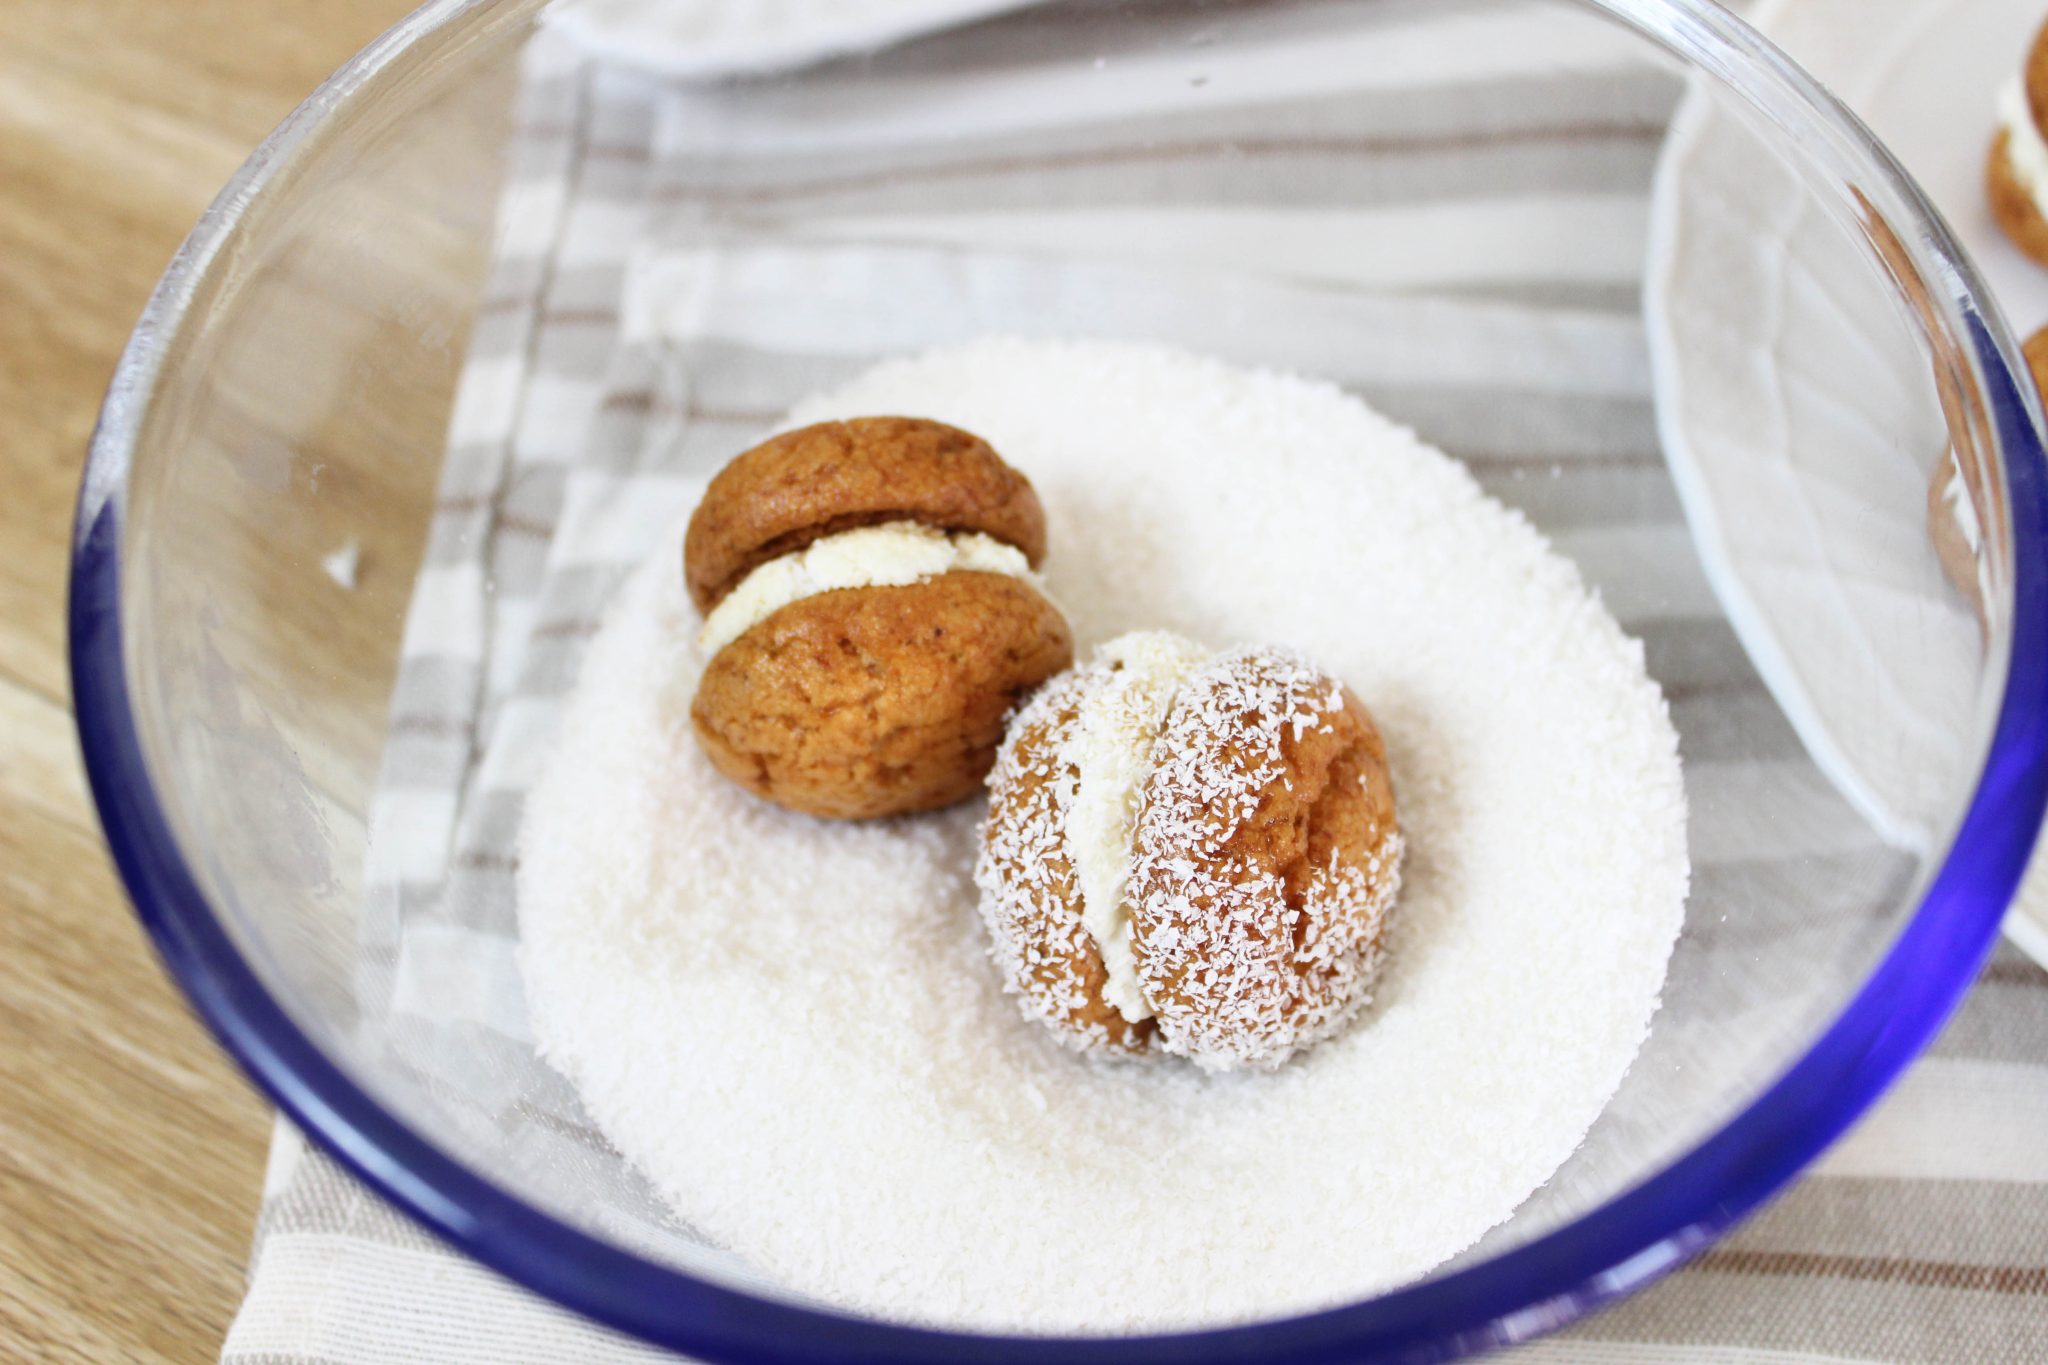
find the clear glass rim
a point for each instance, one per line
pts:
(1531, 1289)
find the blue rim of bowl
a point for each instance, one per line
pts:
(1519, 1294)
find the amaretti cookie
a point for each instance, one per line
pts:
(1190, 852)
(2016, 172)
(872, 612)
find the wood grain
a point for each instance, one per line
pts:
(130, 1150)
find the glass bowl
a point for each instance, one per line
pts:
(278, 420)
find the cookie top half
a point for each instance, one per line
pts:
(818, 481)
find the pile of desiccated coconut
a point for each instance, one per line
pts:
(793, 1029)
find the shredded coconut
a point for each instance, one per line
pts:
(793, 1028)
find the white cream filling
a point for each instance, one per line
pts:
(2024, 146)
(1110, 749)
(893, 554)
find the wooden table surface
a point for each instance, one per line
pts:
(131, 1151)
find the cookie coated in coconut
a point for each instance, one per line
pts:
(1191, 853)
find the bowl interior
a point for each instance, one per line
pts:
(1447, 210)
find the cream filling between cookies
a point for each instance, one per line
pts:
(1110, 748)
(2024, 146)
(891, 555)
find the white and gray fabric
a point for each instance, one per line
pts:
(630, 342)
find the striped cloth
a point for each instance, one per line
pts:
(640, 327)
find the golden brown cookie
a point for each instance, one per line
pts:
(2034, 77)
(819, 480)
(874, 701)
(1267, 859)
(2012, 204)
(1262, 858)
(872, 614)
